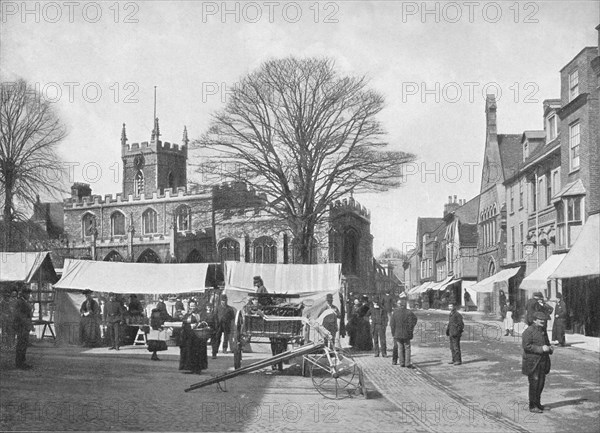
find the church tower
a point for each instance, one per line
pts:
(153, 166)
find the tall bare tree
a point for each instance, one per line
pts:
(30, 132)
(305, 136)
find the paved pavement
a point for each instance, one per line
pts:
(76, 389)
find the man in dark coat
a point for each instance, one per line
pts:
(114, 311)
(378, 320)
(329, 316)
(454, 332)
(537, 304)
(560, 321)
(536, 359)
(403, 324)
(23, 314)
(387, 302)
(225, 315)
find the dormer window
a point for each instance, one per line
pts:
(573, 85)
(551, 125)
(525, 150)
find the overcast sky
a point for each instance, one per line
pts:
(432, 63)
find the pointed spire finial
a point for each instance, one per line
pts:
(123, 136)
(155, 131)
(185, 139)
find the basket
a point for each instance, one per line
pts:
(203, 333)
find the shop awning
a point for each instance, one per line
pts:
(442, 284)
(487, 285)
(584, 257)
(537, 281)
(425, 287)
(24, 267)
(139, 278)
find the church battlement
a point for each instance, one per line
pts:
(153, 146)
(349, 205)
(108, 199)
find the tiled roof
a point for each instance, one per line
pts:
(468, 212)
(428, 225)
(571, 189)
(511, 153)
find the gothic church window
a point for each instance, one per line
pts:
(117, 224)
(265, 250)
(149, 221)
(229, 249)
(138, 183)
(184, 218)
(350, 260)
(87, 223)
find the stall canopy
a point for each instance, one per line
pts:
(584, 257)
(537, 281)
(26, 267)
(487, 285)
(442, 284)
(308, 281)
(139, 278)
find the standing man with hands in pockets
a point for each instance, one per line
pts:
(454, 331)
(536, 359)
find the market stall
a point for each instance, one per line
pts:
(148, 279)
(36, 270)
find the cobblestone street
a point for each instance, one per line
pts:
(74, 389)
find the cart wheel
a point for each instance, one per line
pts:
(238, 340)
(336, 375)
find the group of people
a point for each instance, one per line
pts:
(16, 314)
(115, 315)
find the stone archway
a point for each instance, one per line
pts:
(113, 256)
(148, 256)
(194, 257)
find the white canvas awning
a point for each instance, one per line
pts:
(487, 285)
(307, 281)
(584, 257)
(24, 266)
(537, 281)
(442, 284)
(282, 278)
(139, 278)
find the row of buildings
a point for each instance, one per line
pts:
(535, 219)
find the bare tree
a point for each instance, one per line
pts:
(29, 134)
(304, 136)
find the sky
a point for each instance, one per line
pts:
(98, 63)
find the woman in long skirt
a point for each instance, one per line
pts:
(89, 325)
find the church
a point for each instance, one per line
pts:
(156, 218)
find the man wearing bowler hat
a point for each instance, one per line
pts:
(329, 316)
(403, 324)
(536, 359)
(560, 320)
(536, 305)
(114, 316)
